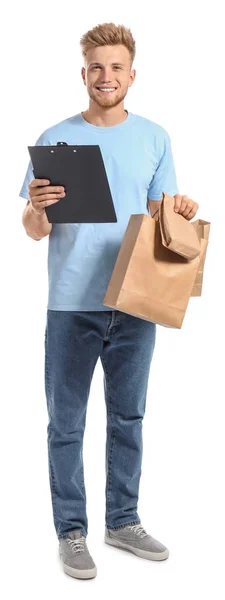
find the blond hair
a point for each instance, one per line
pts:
(108, 34)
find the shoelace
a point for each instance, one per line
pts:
(138, 529)
(77, 545)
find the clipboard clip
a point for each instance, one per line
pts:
(62, 144)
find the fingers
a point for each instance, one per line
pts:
(37, 182)
(37, 187)
(48, 193)
(185, 206)
(191, 207)
(181, 203)
(39, 203)
(190, 210)
(191, 214)
(46, 197)
(42, 194)
(177, 202)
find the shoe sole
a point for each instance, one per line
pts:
(141, 553)
(78, 573)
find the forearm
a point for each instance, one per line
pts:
(36, 225)
(154, 206)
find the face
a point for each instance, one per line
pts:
(108, 67)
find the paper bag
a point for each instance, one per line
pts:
(149, 281)
(176, 231)
(202, 229)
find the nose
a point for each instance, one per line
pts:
(106, 75)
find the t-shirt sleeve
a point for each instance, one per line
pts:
(164, 178)
(24, 192)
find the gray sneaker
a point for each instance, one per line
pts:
(75, 557)
(135, 539)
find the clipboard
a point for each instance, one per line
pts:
(81, 170)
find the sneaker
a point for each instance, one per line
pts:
(135, 539)
(75, 557)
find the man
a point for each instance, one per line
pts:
(139, 165)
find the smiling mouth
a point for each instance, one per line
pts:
(106, 90)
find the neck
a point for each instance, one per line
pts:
(105, 117)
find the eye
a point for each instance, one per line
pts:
(98, 67)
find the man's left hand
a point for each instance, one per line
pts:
(185, 206)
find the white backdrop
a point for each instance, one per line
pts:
(179, 84)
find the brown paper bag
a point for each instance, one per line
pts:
(177, 233)
(149, 281)
(202, 229)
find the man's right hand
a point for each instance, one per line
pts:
(41, 195)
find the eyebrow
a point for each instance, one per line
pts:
(115, 63)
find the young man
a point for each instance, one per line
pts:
(139, 164)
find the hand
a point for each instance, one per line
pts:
(185, 206)
(42, 196)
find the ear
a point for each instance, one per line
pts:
(132, 77)
(83, 75)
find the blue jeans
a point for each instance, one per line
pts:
(73, 343)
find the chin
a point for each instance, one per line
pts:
(106, 102)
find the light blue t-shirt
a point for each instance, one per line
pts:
(139, 164)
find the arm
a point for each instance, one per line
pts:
(36, 225)
(154, 207)
(164, 178)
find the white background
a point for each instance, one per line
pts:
(179, 81)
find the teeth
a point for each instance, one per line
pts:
(107, 89)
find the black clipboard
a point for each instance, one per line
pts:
(81, 170)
